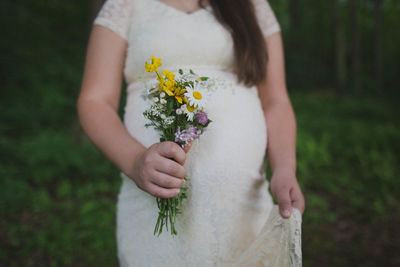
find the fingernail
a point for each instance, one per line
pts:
(286, 213)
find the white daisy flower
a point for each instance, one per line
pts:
(155, 99)
(169, 120)
(197, 95)
(156, 109)
(189, 111)
(162, 116)
(163, 101)
(179, 111)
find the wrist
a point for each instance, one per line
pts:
(284, 172)
(132, 156)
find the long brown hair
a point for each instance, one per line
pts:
(239, 17)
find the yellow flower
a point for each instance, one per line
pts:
(179, 94)
(150, 67)
(179, 99)
(161, 82)
(180, 91)
(156, 61)
(167, 86)
(168, 91)
(153, 66)
(170, 83)
(168, 74)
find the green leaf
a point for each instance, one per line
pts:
(170, 105)
(208, 122)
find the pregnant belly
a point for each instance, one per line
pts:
(237, 136)
(226, 188)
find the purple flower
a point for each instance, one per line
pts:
(188, 135)
(202, 117)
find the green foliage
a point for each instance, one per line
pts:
(308, 30)
(348, 165)
(58, 193)
(58, 197)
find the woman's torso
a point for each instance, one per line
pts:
(178, 38)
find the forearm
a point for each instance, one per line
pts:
(281, 130)
(105, 129)
(281, 143)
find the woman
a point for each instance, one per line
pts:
(228, 201)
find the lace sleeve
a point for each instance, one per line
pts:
(116, 15)
(266, 17)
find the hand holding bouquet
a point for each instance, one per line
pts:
(178, 113)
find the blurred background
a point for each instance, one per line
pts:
(58, 193)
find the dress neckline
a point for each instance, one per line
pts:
(200, 10)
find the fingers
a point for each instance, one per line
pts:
(161, 192)
(187, 147)
(284, 202)
(297, 199)
(164, 186)
(167, 181)
(170, 167)
(172, 150)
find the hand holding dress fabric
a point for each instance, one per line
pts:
(229, 205)
(286, 189)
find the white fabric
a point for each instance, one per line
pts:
(228, 200)
(266, 17)
(271, 248)
(116, 15)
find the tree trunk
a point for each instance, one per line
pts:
(378, 61)
(294, 17)
(319, 44)
(355, 47)
(340, 47)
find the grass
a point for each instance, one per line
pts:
(59, 193)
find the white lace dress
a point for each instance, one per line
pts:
(229, 218)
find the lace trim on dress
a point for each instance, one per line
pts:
(266, 17)
(277, 245)
(116, 15)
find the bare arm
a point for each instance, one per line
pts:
(152, 169)
(99, 98)
(281, 125)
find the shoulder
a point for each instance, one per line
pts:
(266, 17)
(116, 15)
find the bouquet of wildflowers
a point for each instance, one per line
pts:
(178, 113)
